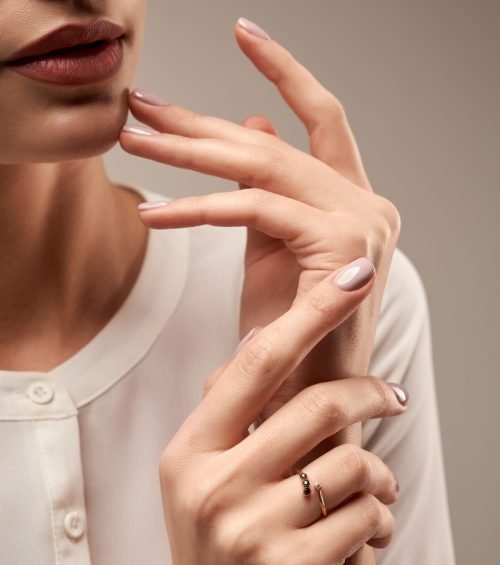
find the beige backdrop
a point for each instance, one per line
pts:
(420, 83)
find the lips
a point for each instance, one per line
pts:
(71, 37)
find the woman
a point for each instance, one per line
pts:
(110, 331)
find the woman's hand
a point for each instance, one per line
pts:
(306, 214)
(228, 497)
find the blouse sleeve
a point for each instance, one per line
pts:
(410, 444)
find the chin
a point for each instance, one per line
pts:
(79, 132)
(83, 147)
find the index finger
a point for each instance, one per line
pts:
(331, 138)
(238, 396)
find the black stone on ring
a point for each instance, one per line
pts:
(305, 483)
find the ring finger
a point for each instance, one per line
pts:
(342, 472)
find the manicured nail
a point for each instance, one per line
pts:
(152, 205)
(355, 275)
(140, 130)
(253, 28)
(401, 393)
(245, 340)
(148, 97)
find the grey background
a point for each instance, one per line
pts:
(420, 84)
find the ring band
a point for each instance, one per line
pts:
(317, 486)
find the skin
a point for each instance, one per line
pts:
(42, 301)
(53, 189)
(309, 215)
(231, 511)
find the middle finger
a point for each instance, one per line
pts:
(291, 172)
(315, 413)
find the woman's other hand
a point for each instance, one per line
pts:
(306, 214)
(228, 495)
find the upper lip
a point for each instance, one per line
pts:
(70, 35)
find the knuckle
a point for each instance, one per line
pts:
(317, 401)
(372, 511)
(389, 524)
(327, 112)
(391, 487)
(383, 536)
(257, 199)
(269, 164)
(192, 119)
(257, 358)
(357, 466)
(354, 233)
(319, 304)
(280, 74)
(332, 107)
(183, 156)
(380, 395)
(337, 109)
(203, 503)
(328, 104)
(389, 214)
(237, 538)
(168, 464)
(201, 204)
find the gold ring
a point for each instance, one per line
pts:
(306, 489)
(317, 486)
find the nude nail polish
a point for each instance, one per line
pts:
(148, 97)
(253, 28)
(355, 275)
(143, 206)
(140, 130)
(401, 393)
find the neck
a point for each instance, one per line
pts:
(71, 247)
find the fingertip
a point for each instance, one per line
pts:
(260, 123)
(149, 98)
(247, 27)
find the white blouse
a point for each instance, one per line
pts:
(80, 444)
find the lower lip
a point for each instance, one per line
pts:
(81, 66)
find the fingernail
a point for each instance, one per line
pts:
(253, 28)
(140, 130)
(401, 393)
(397, 482)
(148, 97)
(245, 340)
(152, 205)
(355, 275)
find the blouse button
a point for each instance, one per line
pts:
(41, 392)
(74, 524)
